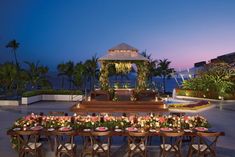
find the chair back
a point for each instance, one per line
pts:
(209, 139)
(26, 137)
(137, 142)
(64, 138)
(174, 139)
(98, 140)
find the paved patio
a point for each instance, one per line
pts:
(221, 118)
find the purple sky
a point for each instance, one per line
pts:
(184, 31)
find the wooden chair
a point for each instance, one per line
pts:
(87, 146)
(101, 143)
(171, 143)
(204, 144)
(28, 144)
(137, 142)
(65, 143)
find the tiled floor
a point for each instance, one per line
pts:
(220, 118)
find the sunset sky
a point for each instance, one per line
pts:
(55, 31)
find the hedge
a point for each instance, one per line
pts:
(201, 94)
(51, 92)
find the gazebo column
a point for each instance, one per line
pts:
(104, 75)
(142, 74)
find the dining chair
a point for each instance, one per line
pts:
(87, 146)
(171, 143)
(137, 143)
(101, 143)
(65, 143)
(204, 144)
(28, 143)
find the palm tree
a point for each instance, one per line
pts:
(14, 45)
(62, 72)
(79, 77)
(164, 71)
(8, 75)
(37, 75)
(69, 70)
(91, 66)
(151, 66)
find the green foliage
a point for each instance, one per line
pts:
(50, 91)
(36, 75)
(104, 76)
(13, 45)
(215, 79)
(164, 71)
(142, 78)
(8, 75)
(152, 64)
(79, 74)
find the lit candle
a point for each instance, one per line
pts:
(156, 98)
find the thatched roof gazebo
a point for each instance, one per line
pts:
(122, 56)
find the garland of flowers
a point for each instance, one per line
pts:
(142, 74)
(104, 76)
(81, 122)
(195, 106)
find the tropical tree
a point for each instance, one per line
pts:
(62, 73)
(12, 79)
(151, 65)
(8, 75)
(14, 45)
(36, 75)
(217, 79)
(79, 74)
(92, 71)
(66, 69)
(69, 71)
(164, 70)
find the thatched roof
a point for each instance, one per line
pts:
(123, 52)
(123, 46)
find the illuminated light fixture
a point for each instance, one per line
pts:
(123, 67)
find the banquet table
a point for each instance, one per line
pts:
(158, 132)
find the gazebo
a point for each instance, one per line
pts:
(123, 56)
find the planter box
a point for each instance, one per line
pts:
(9, 103)
(50, 97)
(32, 99)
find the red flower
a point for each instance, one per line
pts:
(162, 119)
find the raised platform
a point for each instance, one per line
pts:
(120, 106)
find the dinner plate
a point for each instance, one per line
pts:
(131, 129)
(16, 129)
(65, 129)
(101, 129)
(51, 129)
(187, 130)
(201, 129)
(86, 130)
(36, 128)
(118, 130)
(152, 130)
(166, 129)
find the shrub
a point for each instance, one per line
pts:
(213, 81)
(58, 92)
